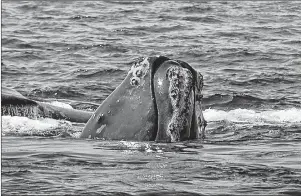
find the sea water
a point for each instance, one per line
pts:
(75, 53)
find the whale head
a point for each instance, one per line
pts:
(134, 110)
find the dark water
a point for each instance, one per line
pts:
(76, 53)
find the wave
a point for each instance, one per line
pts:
(205, 19)
(74, 47)
(230, 34)
(46, 127)
(242, 125)
(128, 2)
(8, 42)
(11, 70)
(26, 56)
(96, 73)
(28, 46)
(47, 18)
(160, 29)
(196, 9)
(28, 7)
(292, 115)
(292, 42)
(102, 47)
(245, 101)
(81, 17)
(57, 92)
(264, 81)
(129, 32)
(19, 43)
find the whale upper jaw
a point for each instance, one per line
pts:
(138, 110)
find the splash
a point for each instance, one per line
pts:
(23, 126)
(129, 146)
(292, 115)
(31, 111)
(60, 104)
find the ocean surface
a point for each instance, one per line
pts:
(75, 53)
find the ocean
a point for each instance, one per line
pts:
(75, 53)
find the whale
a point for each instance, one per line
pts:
(159, 100)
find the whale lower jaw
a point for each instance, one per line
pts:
(128, 112)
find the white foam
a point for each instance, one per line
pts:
(60, 104)
(292, 115)
(129, 146)
(26, 126)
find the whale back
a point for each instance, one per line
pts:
(12, 97)
(15, 104)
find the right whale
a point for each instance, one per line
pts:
(159, 100)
